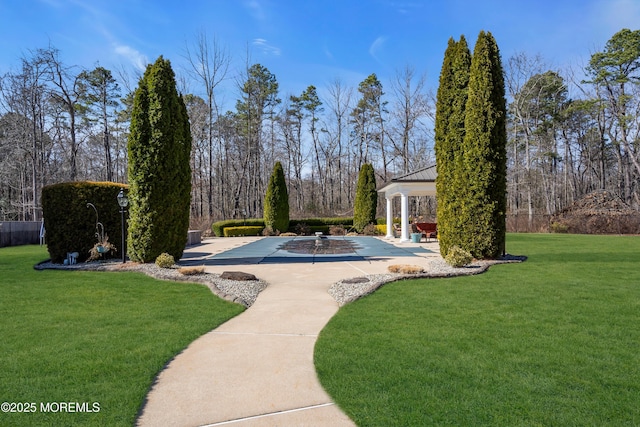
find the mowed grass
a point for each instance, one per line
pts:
(94, 337)
(553, 341)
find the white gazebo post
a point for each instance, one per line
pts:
(389, 217)
(404, 212)
(418, 183)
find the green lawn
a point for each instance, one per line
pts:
(553, 341)
(91, 337)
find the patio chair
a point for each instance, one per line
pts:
(429, 230)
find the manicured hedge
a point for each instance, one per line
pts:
(218, 227)
(346, 221)
(71, 225)
(315, 224)
(383, 221)
(247, 230)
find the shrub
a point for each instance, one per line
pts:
(451, 100)
(337, 230)
(248, 230)
(366, 202)
(159, 170)
(71, 224)
(276, 201)
(219, 226)
(268, 231)
(484, 154)
(458, 257)
(191, 271)
(309, 225)
(344, 221)
(302, 229)
(405, 269)
(164, 260)
(558, 227)
(371, 230)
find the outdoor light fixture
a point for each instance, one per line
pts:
(123, 202)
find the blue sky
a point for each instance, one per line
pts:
(309, 42)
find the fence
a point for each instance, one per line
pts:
(14, 233)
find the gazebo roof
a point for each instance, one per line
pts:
(427, 174)
(421, 182)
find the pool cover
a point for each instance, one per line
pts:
(283, 250)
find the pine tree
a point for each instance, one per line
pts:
(159, 172)
(482, 215)
(449, 136)
(366, 203)
(276, 201)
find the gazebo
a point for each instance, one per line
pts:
(418, 183)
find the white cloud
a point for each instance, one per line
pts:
(138, 60)
(266, 48)
(255, 9)
(376, 46)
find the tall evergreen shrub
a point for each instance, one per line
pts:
(276, 201)
(483, 212)
(366, 203)
(159, 172)
(449, 136)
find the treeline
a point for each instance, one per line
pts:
(563, 146)
(567, 136)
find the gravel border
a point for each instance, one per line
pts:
(349, 290)
(246, 292)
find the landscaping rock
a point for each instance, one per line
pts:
(238, 276)
(356, 280)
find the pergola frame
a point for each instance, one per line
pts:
(418, 183)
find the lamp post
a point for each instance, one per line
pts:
(123, 201)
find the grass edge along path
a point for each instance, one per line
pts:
(95, 339)
(551, 341)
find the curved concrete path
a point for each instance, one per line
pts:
(257, 369)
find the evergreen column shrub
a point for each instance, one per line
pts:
(449, 136)
(159, 172)
(366, 202)
(276, 202)
(483, 213)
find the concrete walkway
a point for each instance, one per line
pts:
(257, 369)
